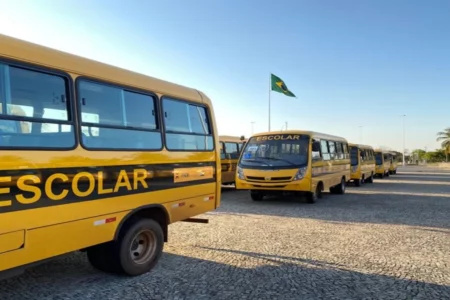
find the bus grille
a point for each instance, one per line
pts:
(272, 179)
(269, 186)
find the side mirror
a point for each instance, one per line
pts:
(316, 146)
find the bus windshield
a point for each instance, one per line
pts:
(280, 151)
(354, 156)
(379, 158)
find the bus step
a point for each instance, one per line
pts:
(196, 220)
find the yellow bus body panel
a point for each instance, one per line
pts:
(34, 228)
(364, 168)
(384, 167)
(228, 164)
(329, 173)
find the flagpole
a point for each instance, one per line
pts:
(270, 88)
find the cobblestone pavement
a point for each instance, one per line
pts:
(387, 240)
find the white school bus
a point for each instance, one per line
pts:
(362, 159)
(98, 159)
(230, 148)
(293, 161)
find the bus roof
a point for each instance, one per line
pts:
(361, 146)
(381, 151)
(21, 50)
(230, 138)
(304, 132)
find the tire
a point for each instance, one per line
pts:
(313, 196)
(256, 196)
(387, 174)
(357, 182)
(340, 189)
(395, 171)
(136, 251)
(369, 179)
(100, 258)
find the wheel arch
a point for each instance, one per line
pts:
(155, 212)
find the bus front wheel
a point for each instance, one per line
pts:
(340, 189)
(313, 196)
(256, 196)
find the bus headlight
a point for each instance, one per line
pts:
(300, 174)
(240, 173)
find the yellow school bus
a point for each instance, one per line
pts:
(393, 163)
(293, 161)
(362, 158)
(230, 148)
(110, 159)
(382, 163)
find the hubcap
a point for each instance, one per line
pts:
(143, 247)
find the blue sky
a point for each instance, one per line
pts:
(350, 63)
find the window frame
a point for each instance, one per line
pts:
(208, 115)
(157, 106)
(70, 97)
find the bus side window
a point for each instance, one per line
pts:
(339, 150)
(324, 149)
(232, 150)
(222, 150)
(332, 147)
(189, 123)
(345, 150)
(24, 94)
(316, 154)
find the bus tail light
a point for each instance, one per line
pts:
(300, 174)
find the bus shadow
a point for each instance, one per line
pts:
(255, 275)
(363, 205)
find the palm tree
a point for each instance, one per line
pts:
(444, 138)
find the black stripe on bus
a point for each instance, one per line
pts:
(13, 197)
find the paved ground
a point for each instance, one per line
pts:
(387, 240)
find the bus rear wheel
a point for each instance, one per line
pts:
(135, 252)
(369, 179)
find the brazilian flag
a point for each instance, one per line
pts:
(279, 86)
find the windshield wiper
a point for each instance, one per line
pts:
(255, 160)
(280, 159)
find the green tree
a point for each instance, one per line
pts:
(435, 156)
(419, 154)
(444, 138)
